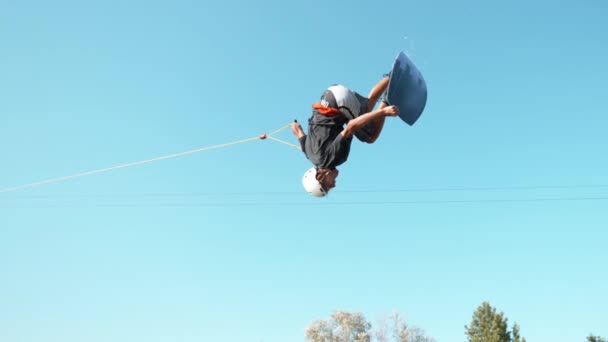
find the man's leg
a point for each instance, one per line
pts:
(374, 95)
(376, 92)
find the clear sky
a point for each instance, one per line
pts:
(499, 192)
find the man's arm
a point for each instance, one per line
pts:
(376, 92)
(356, 123)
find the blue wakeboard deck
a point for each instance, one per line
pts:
(407, 89)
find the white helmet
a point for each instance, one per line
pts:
(312, 185)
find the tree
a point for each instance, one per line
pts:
(340, 327)
(394, 326)
(352, 327)
(489, 326)
(516, 336)
(592, 338)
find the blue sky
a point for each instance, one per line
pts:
(498, 193)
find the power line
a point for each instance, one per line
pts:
(271, 193)
(318, 203)
(495, 188)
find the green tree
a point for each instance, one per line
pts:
(487, 325)
(516, 336)
(592, 338)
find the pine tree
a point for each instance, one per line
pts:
(592, 338)
(488, 326)
(516, 337)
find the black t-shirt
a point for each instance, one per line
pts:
(324, 146)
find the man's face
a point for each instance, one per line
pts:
(328, 181)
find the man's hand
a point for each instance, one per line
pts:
(296, 129)
(391, 111)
